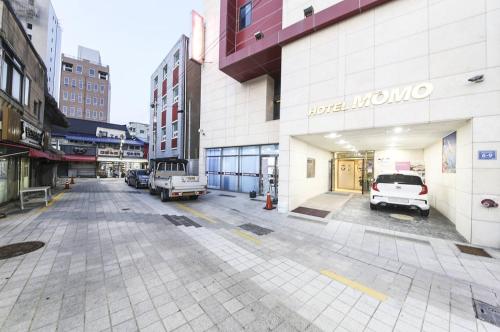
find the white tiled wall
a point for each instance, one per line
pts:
(397, 44)
(293, 166)
(451, 193)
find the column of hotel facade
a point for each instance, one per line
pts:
(347, 67)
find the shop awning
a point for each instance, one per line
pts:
(44, 155)
(123, 160)
(95, 139)
(11, 149)
(78, 158)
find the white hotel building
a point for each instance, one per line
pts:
(324, 98)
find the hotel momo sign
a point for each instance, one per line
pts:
(381, 97)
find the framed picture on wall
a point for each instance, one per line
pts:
(449, 161)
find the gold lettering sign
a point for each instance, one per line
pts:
(387, 96)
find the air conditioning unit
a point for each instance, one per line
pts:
(176, 99)
(164, 138)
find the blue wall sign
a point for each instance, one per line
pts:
(487, 155)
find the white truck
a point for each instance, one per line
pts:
(169, 179)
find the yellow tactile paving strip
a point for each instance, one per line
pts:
(356, 285)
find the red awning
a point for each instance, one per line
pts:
(44, 155)
(78, 158)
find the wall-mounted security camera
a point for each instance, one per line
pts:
(476, 79)
(259, 35)
(308, 11)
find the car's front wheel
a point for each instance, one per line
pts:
(136, 185)
(373, 206)
(425, 213)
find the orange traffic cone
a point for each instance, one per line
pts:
(269, 202)
(66, 184)
(72, 180)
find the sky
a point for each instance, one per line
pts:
(132, 36)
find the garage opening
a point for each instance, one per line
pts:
(438, 153)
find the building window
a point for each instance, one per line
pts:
(102, 88)
(87, 114)
(245, 15)
(73, 83)
(94, 114)
(156, 81)
(65, 110)
(26, 94)
(91, 72)
(73, 96)
(311, 168)
(11, 79)
(175, 132)
(29, 26)
(79, 112)
(79, 69)
(176, 58)
(80, 98)
(164, 101)
(103, 75)
(95, 101)
(71, 111)
(80, 84)
(96, 87)
(65, 95)
(163, 134)
(165, 70)
(175, 93)
(66, 81)
(88, 100)
(67, 67)
(89, 86)
(101, 101)
(101, 115)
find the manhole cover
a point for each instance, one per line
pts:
(257, 230)
(401, 217)
(486, 312)
(18, 249)
(473, 250)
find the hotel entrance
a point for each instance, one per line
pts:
(352, 171)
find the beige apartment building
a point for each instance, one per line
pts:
(85, 86)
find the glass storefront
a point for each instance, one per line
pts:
(240, 168)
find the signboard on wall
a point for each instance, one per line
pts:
(449, 160)
(197, 40)
(487, 155)
(31, 135)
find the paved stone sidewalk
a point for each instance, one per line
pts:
(112, 261)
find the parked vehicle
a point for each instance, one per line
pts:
(400, 189)
(169, 179)
(139, 178)
(127, 176)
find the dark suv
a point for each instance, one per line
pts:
(138, 178)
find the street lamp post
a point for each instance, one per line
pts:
(154, 107)
(121, 158)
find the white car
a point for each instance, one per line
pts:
(401, 188)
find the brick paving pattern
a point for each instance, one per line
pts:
(118, 259)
